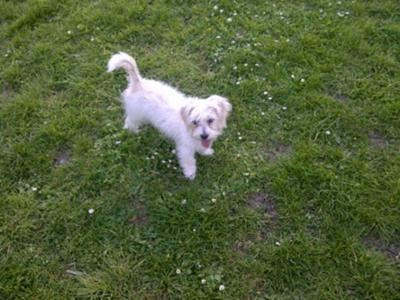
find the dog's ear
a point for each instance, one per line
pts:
(185, 112)
(223, 108)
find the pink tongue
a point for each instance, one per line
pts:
(205, 143)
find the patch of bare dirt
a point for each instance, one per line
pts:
(242, 246)
(337, 95)
(377, 140)
(311, 214)
(390, 250)
(278, 150)
(141, 218)
(62, 158)
(266, 204)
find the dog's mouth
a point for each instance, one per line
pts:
(206, 143)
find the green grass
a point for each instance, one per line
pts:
(306, 176)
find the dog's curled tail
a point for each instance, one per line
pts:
(123, 60)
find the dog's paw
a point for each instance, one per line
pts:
(190, 173)
(208, 152)
(134, 130)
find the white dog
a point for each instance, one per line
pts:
(193, 123)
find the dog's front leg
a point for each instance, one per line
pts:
(187, 161)
(206, 151)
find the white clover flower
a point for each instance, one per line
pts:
(221, 287)
(218, 37)
(246, 65)
(213, 200)
(117, 142)
(184, 202)
(239, 137)
(277, 243)
(262, 113)
(237, 82)
(69, 32)
(163, 161)
(233, 42)
(246, 174)
(173, 151)
(328, 132)
(221, 11)
(284, 108)
(203, 281)
(265, 93)
(302, 80)
(270, 98)
(235, 67)
(92, 39)
(34, 189)
(340, 14)
(178, 271)
(257, 64)
(229, 20)
(90, 211)
(215, 7)
(203, 210)
(292, 76)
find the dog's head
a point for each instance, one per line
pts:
(206, 118)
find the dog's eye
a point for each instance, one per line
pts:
(210, 121)
(195, 123)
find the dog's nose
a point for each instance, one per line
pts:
(204, 136)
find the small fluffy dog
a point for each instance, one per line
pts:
(193, 123)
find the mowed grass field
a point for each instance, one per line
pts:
(301, 199)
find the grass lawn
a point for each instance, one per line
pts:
(301, 199)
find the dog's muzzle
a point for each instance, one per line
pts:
(204, 140)
(204, 136)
